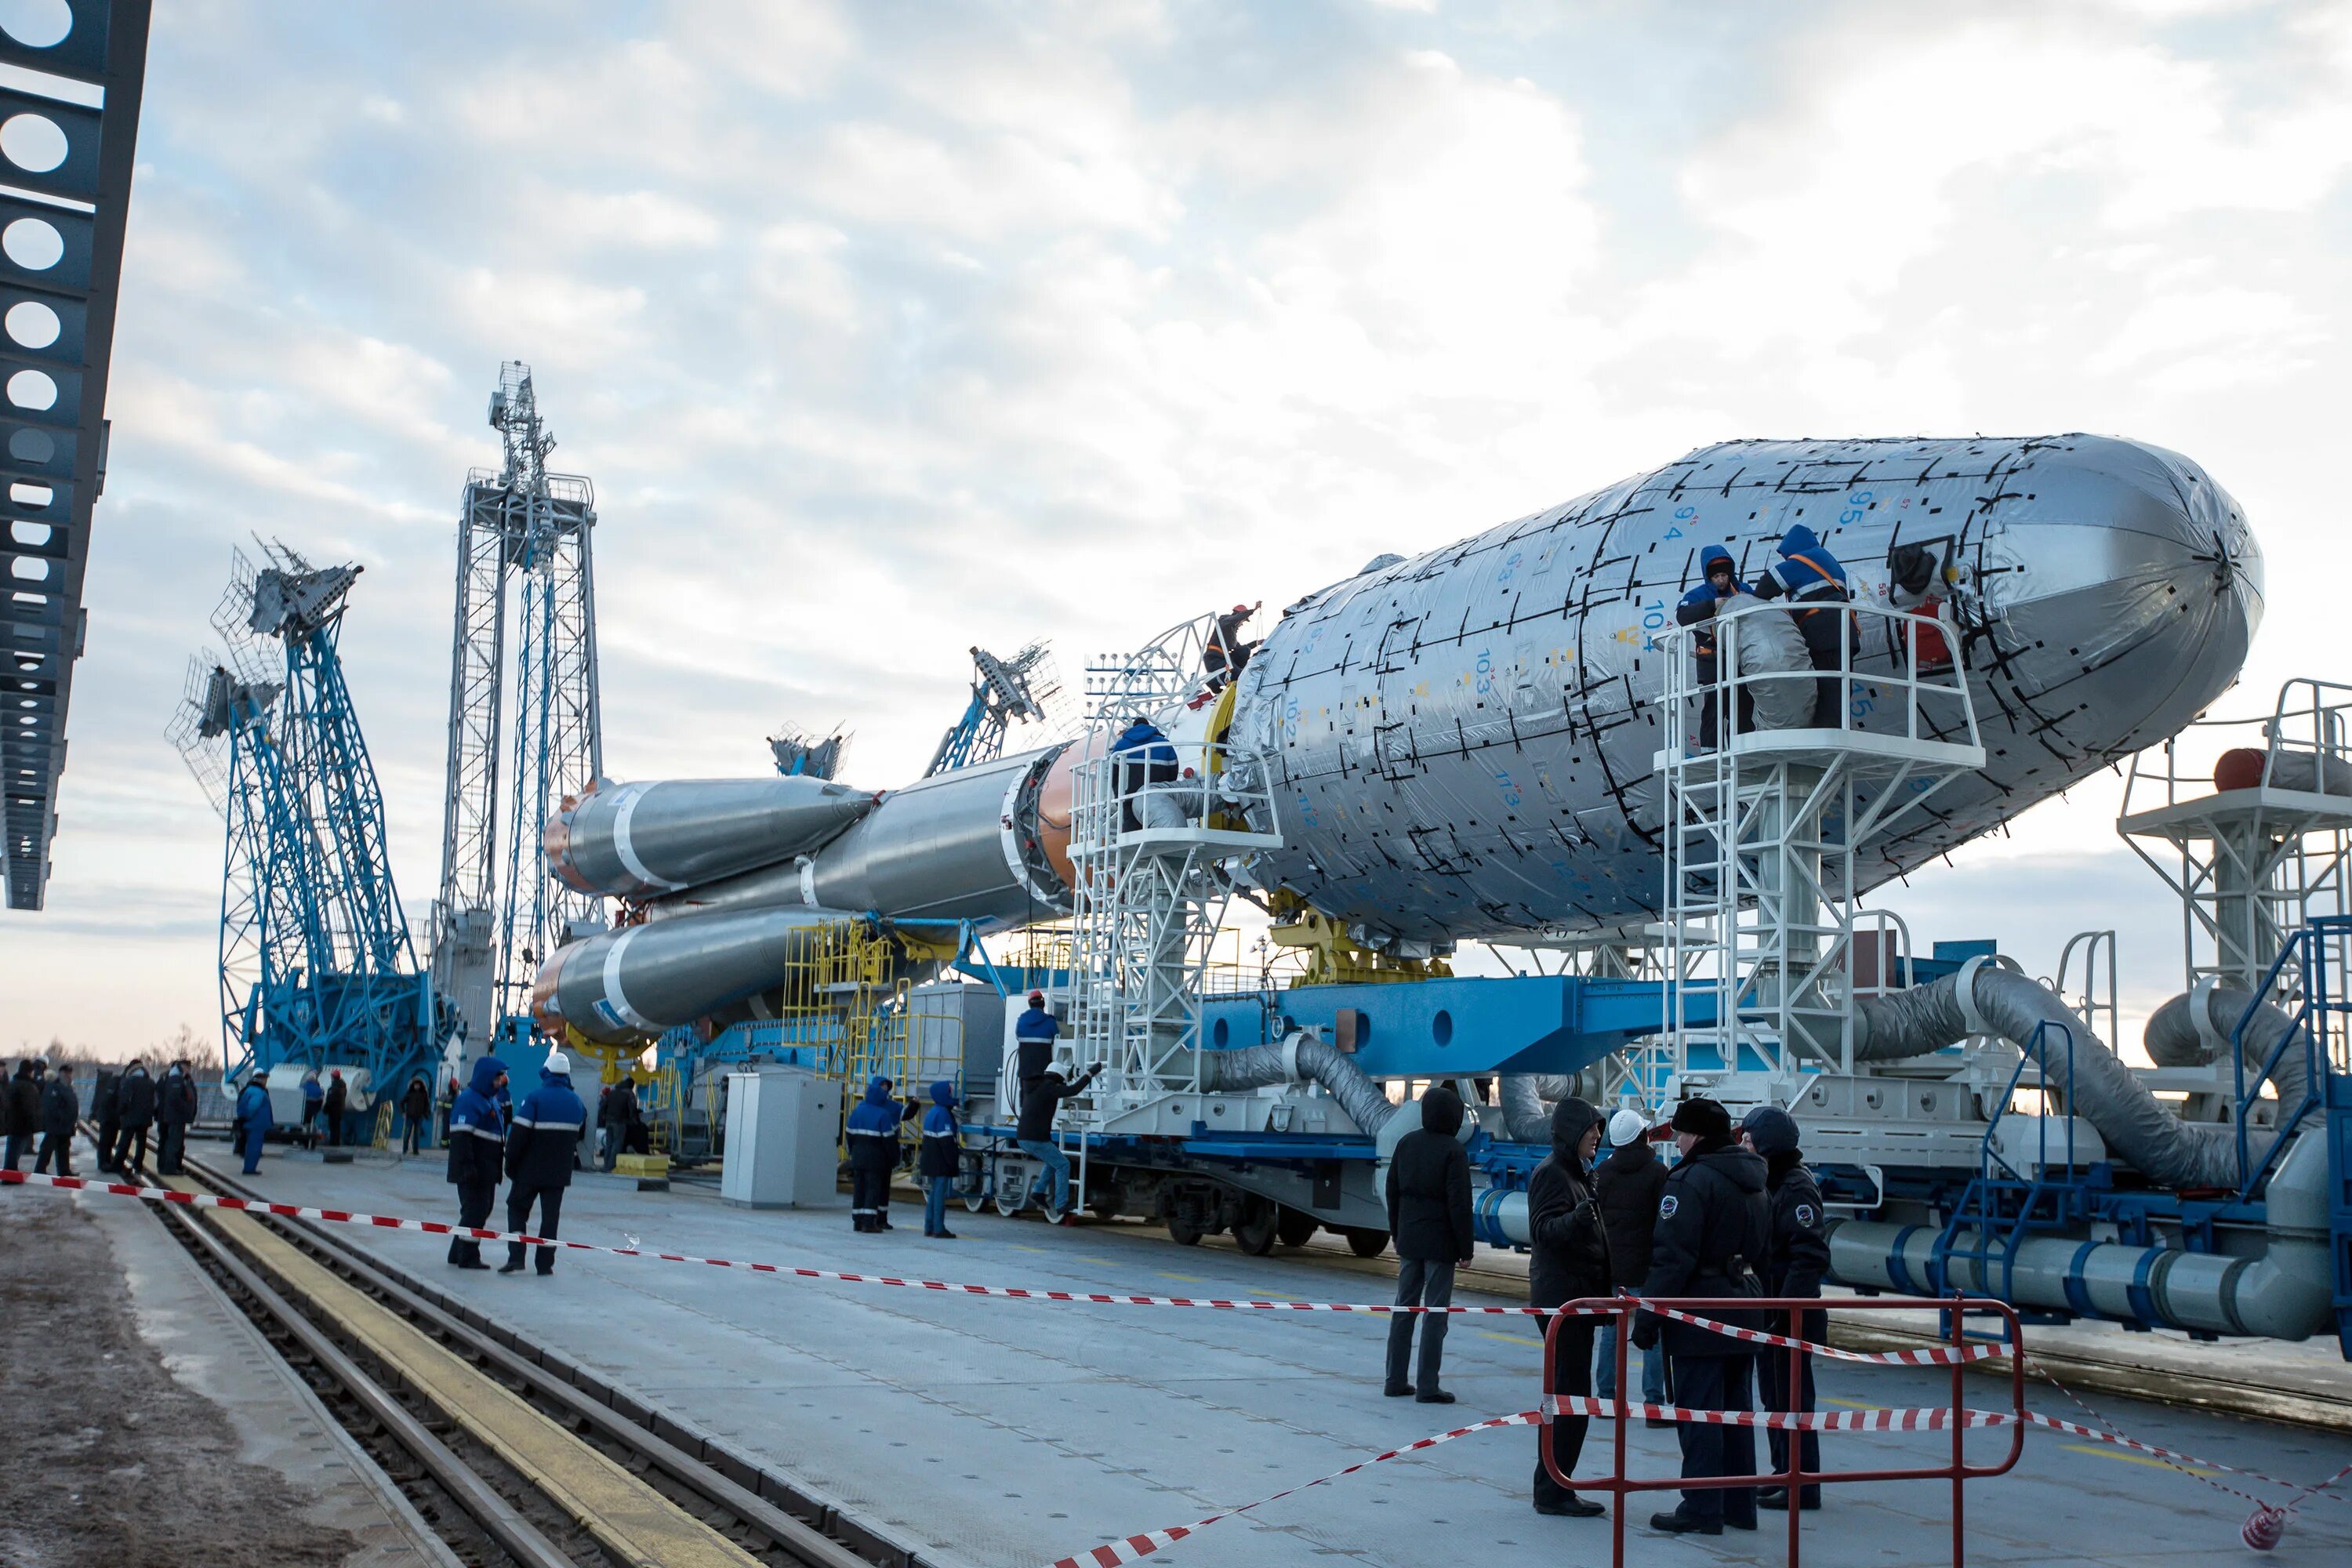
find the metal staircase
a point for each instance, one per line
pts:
(1151, 833)
(1769, 840)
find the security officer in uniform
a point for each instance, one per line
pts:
(539, 1150)
(1714, 1230)
(1793, 1266)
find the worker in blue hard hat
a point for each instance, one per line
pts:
(1718, 580)
(1814, 581)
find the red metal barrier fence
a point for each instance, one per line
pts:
(1788, 1313)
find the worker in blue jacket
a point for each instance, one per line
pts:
(873, 1134)
(1814, 582)
(1035, 1033)
(253, 1120)
(540, 1143)
(1717, 580)
(477, 1147)
(1145, 758)
(941, 1160)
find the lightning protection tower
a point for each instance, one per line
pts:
(316, 964)
(1005, 692)
(520, 525)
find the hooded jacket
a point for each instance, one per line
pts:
(60, 1107)
(477, 1129)
(134, 1096)
(1429, 1184)
(1698, 604)
(417, 1101)
(873, 1130)
(942, 1152)
(545, 1134)
(1806, 570)
(175, 1098)
(1569, 1245)
(1629, 1183)
(1714, 1231)
(313, 1092)
(23, 1103)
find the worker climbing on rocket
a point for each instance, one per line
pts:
(1718, 581)
(1815, 581)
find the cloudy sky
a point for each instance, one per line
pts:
(887, 328)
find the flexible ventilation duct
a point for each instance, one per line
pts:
(1528, 1100)
(1986, 1000)
(2174, 1039)
(1302, 1058)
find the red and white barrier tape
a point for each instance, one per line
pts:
(1832, 1421)
(1931, 1419)
(1941, 1356)
(1130, 1548)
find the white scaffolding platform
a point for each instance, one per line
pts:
(2252, 854)
(1149, 833)
(1763, 834)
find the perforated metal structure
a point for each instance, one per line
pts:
(520, 523)
(61, 227)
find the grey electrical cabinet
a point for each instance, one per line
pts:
(783, 1133)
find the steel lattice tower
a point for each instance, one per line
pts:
(520, 523)
(316, 964)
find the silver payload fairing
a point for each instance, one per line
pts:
(1461, 744)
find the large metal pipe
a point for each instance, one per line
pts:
(2282, 1293)
(642, 840)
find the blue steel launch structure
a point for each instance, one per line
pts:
(316, 962)
(1005, 692)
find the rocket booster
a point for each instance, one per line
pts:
(1461, 744)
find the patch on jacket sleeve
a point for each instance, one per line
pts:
(1667, 1205)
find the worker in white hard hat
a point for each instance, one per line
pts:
(1630, 1180)
(541, 1146)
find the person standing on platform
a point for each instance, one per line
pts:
(1630, 1183)
(176, 1107)
(1718, 581)
(539, 1147)
(873, 1135)
(941, 1159)
(60, 1109)
(478, 1146)
(1429, 1215)
(1793, 1266)
(135, 1107)
(1815, 583)
(105, 1108)
(1714, 1228)
(339, 1100)
(253, 1120)
(22, 1113)
(415, 1109)
(1569, 1261)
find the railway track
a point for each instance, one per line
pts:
(511, 1455)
